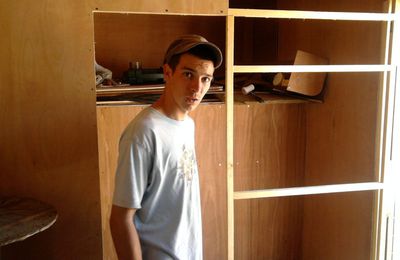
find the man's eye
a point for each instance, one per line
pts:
(206, 80)
(188, 75)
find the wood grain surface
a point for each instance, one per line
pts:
(341, 133)
(269, 153)
(120, 38)
(210, 149)
(47, 103)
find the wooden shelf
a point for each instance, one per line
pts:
(290, 14)
(309, 190)
(312, 68)
(319, 125)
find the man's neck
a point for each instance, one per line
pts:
(162, 106)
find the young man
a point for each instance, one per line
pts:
(156, 212)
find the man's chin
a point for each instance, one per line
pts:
(192, 107)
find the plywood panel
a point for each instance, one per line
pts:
(269, 153)
(268, 228)
(111, 121)
(340, 149)
(339, 226)
(163, 6)
(47, 102)
(211, 153)
(48, 137)
(124, 38)
(334, 6)
(256, 41)
(210, 147)
(336, 41)
(269, 146)
(340, 132)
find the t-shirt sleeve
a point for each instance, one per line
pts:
(132, 174)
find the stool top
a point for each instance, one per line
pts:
(21, 218)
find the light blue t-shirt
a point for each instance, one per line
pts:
(157, 174)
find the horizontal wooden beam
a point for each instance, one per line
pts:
(222, 13)
(292, 14)
(311, 68)
(307, 190)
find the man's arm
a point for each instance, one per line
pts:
(124, 234)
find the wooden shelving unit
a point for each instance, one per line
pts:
(279, 180)
(304, 180)
(387, 68)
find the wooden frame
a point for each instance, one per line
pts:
(229, 131)
(155, 13)
(350, 16)
(383, 137)
(109, 133)
(312, 68)
(386, 40)
(390, 150)
(308, 190)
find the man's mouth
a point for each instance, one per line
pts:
(192, 99)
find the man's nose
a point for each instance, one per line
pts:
(195, 85)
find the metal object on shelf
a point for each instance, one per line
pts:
(138, 75)
(249, 89)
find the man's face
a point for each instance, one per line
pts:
(188, 84)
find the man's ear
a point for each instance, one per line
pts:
(167, 72)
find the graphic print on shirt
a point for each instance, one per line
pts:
(187, 164)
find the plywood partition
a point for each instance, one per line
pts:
(123, 38)
(256, 41)
(210, 147)
(338, 226)
(269, 146)
(49, 129)
(341, 132)
(47, 108)
(340, 135)
(164, 6)
(269, 153)
(111, 121)
(336, 41)
(373, 6)
(341, 139)
(269, 228)
(48, 116)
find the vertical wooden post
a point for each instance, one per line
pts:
(392, 155)
(380, 135)
(229, 100)
(388, 161)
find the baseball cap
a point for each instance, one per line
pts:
(186, 42)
